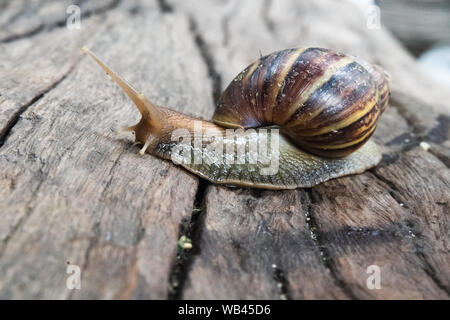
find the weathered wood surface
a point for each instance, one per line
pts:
(71, 191)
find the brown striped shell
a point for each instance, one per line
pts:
(327, 102)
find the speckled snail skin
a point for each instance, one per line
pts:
(325, 104)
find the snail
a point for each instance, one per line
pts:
(318, 108)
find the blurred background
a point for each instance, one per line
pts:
(423, 27)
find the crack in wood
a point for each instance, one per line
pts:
(165, 7)
(308, 202)
(29, 33)
(437, 134)
(16, 116)
(281, 281)
(24, 35)
(413, 142)
(407, 142)
(190, 228)
(59, 23)
(208, 58)
(111, 171)
(4, 134)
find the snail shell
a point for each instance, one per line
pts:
(326, 105)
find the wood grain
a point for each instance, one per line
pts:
(71, 191)
(338, 228)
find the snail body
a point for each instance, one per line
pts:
(318, 107)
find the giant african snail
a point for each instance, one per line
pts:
(325, 104)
